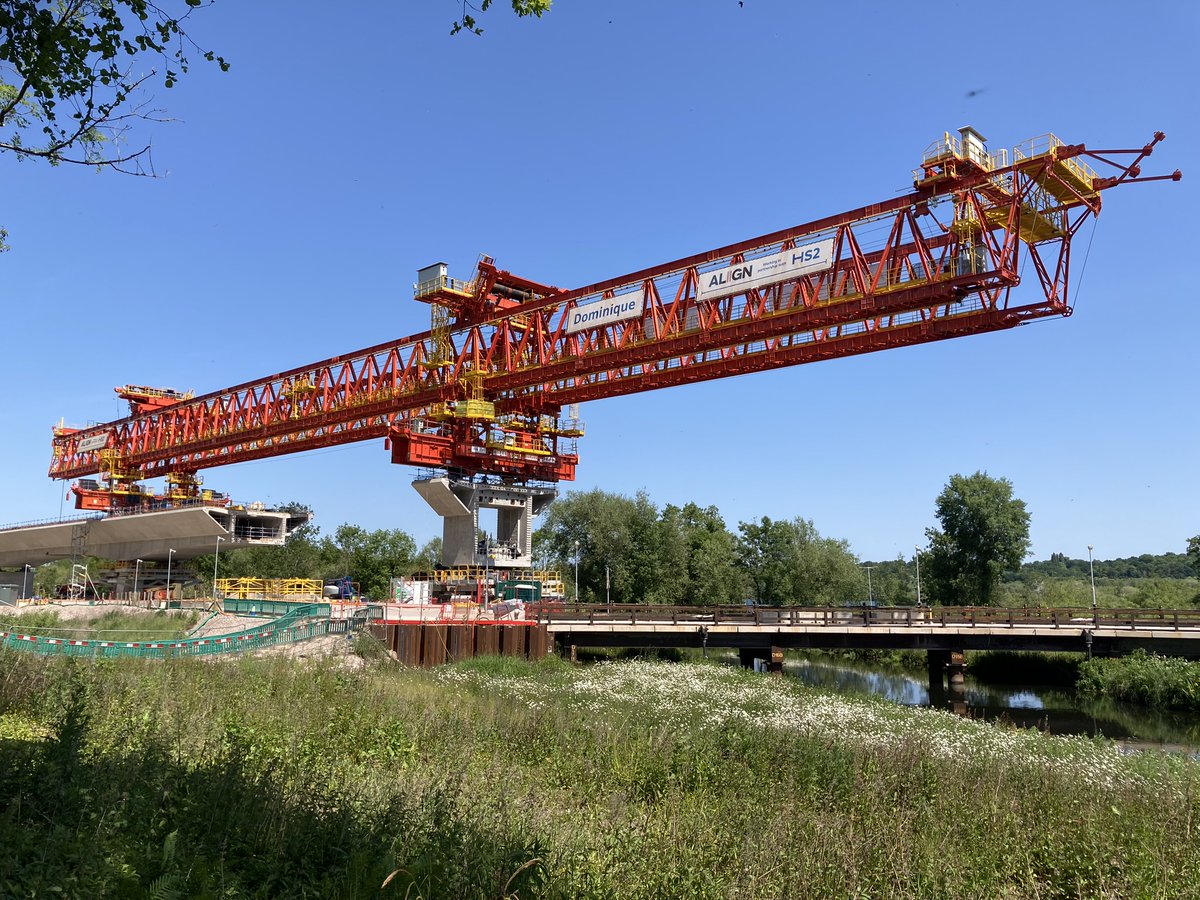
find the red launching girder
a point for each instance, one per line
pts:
(484, 389)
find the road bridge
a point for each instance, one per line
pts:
(762, 632)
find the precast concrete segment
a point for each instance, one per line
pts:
(458, 502)
(148, 536)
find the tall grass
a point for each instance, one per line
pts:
(1144, 678)
(498, 778)
(112, 624)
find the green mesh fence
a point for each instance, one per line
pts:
(270, 608)
(301, 623)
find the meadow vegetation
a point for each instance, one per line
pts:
(106, 625)
(499, 778)
(1143, 678)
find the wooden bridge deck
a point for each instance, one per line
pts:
(1102, 632)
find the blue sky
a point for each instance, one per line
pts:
(302, 190)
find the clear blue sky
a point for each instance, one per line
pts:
(351, 144)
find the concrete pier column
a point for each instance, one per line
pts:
(956, 668)
(937, 661)
(955, 675)
(747, 655)
(776, 663)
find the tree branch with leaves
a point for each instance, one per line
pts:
(523, 8)
(72, 75)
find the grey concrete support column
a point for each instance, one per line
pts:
(458, 502)
(956, 675)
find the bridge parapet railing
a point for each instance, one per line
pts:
(895, 616)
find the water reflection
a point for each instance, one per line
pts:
(1028, 706)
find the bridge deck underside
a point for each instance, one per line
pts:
(147, 536)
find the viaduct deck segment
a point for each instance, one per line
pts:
(183, 533)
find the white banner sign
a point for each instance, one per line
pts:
(95, 442)
(605, 312)
(766, 270)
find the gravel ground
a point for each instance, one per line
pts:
(223, 623)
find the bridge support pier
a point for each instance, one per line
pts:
(770, 657)
(775, 666)
(946, 666)
(936, 661)
(956, 668)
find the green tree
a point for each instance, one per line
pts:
(984, 533)
(370, 558)
(612, 530)
(789, 562)
(701, 555)
(1193, 552)
(72, 73)
(429, 557)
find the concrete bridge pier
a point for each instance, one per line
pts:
(946, 667)
(772, 657)
(956, 668)
(936, 662)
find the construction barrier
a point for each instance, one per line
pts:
(434, 643)
(300, 624)
(270, 608)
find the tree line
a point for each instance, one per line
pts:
(619, 549)
(613, 548)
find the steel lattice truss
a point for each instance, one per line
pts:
(483, 391)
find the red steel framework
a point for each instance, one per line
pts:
(482, 392)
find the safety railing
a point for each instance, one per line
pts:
(951, 147)
(896, 616)
(1047, 144)
(252, 606)
(300, 624)
(443, 283)
(262, 588)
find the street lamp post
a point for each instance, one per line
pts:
(487, 590)
(870, 592)
(137, 568)
(1092, 576)
(24, 579)
(216, 557)
(917, 557)
(577, 571)
(170, 554)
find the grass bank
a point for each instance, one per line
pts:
(262, 778)
(1143, 678)
(110, 624)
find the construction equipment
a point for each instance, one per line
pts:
(341, 589)
(481, 395)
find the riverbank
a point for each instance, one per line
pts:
(1142, 679)
(270, 777)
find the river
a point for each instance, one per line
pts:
(1050, 709)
